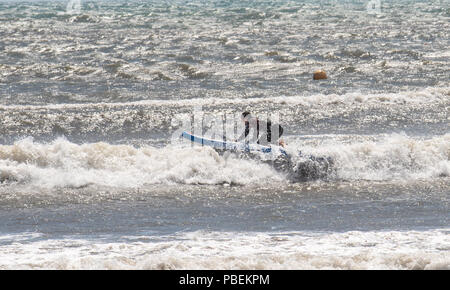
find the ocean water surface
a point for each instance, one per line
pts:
(92, 94)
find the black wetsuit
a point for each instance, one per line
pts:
(269, 130)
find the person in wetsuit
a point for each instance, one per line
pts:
(262, 130)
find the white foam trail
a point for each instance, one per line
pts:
(230, 250)
(65, 164)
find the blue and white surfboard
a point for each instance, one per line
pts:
(233, 146)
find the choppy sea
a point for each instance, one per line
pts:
(92, 94)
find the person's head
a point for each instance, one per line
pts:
(246, 116)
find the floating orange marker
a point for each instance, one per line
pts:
(319, 75)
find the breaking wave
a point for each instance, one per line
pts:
(62, 163)
(393, 157)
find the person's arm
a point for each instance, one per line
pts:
(280, 131)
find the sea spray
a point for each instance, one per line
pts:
(62, 163)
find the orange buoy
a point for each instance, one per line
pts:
(319, 75)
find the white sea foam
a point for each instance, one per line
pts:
(393, 156)
(65, 164)
(229, 250)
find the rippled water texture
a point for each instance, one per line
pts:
(116, 51)
(94, 98)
